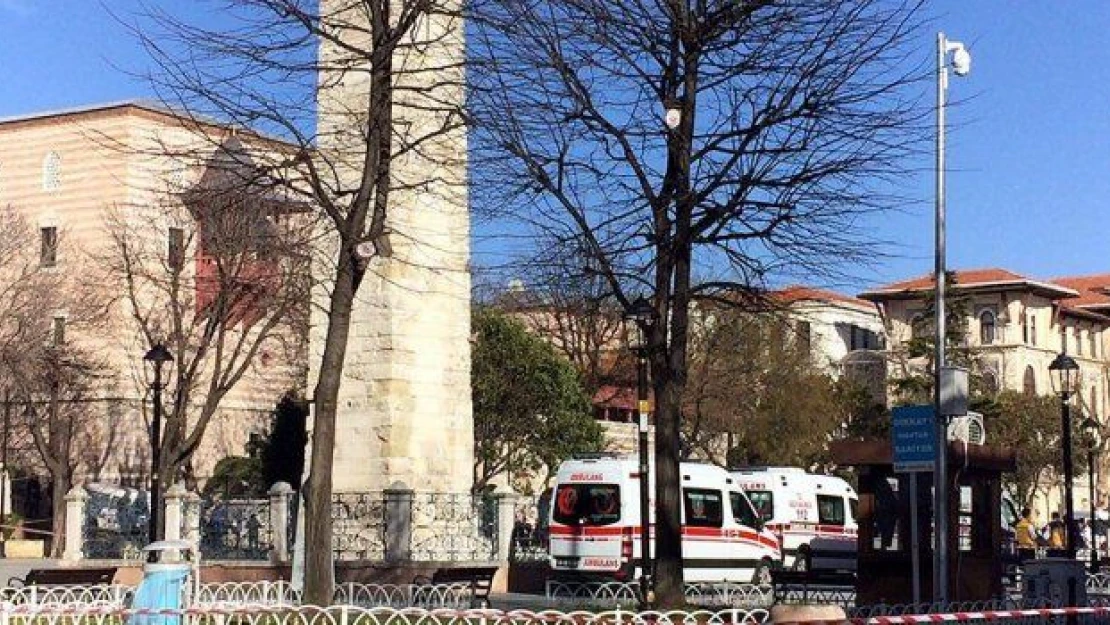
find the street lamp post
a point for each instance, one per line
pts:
(639, 320)
(961, 65)
(1093, 434)
(157, 356)
(1065, 372)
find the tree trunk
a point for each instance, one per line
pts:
(668, 497)
(319, 567)
(62, 484)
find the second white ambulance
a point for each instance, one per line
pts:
(595, 524)
(814, 516)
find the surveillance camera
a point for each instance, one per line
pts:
(961, 61)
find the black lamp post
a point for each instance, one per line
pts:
(157, 356)
(1093, 434)
(639, 320)
(1065, 373)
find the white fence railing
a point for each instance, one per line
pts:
(355, 615)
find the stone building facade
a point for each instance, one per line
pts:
(1015, 326)
(65, 172)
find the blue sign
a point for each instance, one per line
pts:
(913, 438)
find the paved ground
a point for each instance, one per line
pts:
(20, 567)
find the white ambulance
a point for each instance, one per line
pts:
(814, 516)
(595, 524)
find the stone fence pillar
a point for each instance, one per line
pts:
(75, 520)
(281, 493)
(191, 503)
(175, 499)
(398, 523)
(506, 521)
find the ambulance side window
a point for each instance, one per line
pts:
(742, 511)
(853, 506)
(830, 510)
(704, 507)
(764, 502)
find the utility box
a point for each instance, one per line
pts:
(1054, 582)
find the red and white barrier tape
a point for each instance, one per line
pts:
(958, 617)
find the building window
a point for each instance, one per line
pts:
(990, 383)
(805, 335)
(51, 172)
(48, 246)
(1029, 384)
(986, 327)
(1033, 329)
(175, 255)
(59, 330)
(862, 338)
(918, 328)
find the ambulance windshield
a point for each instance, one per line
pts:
(587, 504)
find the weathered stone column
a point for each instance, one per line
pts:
(398, 523)
(174, 499)
(192, 519)
(75, 519)
(506, 519)
(280, 495)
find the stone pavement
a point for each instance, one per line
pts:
(10, 568)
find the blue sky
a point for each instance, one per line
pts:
(1029, 154)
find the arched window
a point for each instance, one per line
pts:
(986, 327)
(918, 327)
(1029, 384)
(51, 172)
(990, 383)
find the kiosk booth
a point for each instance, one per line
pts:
(885, 571)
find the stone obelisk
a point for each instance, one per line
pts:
(404, 415)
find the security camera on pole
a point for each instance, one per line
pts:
(961, 65)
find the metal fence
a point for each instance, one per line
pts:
(355, 615)
(115, 527)
(358, 526)
(235, 529)
(453, 527)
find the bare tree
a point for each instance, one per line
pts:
(52, 384)
(226, 291)
(388, 78)
(786, 119)
(579, 319)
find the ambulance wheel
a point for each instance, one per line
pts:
(762, 574)
(802, 561)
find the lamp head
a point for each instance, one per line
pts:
(1065, 373)
(638, 321)
(961, 59)
(158, 355)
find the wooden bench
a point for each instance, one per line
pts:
(65, 577)
(479, 579)
(805, 586)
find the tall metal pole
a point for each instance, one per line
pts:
(645, 515)
(940, 481)
(1069, 503)
(156, 455)
(1091, 499)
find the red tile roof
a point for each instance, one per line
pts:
(1092, 290)
(615, 397)
(800, 293)
(971, 278)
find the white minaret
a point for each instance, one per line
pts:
(404, 405)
